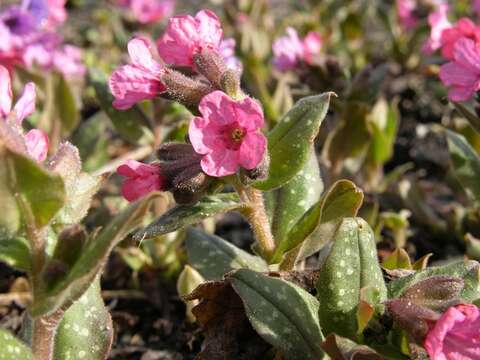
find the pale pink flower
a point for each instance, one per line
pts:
(227, 50)
(228, 134)
(464, 28)
(186, 36)
(36, 142)
(148, 11)
(456, 335)
(68, 61)
(25, 105)
(312, 45)
(406, 13)
(438, 21)
(139, 80)
(287, 50)
(142, 179)
(462, 74)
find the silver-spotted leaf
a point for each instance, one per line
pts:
(351, 265)
(290, 141)
(213, 257)
(12, 348)
(282, 313)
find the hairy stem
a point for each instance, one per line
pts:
(43, 335)
(257, 217)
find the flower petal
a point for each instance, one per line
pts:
(220, 163)
(25, 105)
(249, 114)
(218, 107)
(209, 28)
(37, 144)
(141, 55)
(5, 92)
(467, 54)
(252, 150)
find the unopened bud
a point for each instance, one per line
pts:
(230, 84)
(70, 244)
(183, 89)
(258, 173)
(210, 64)
(54, 271)
(412, 318)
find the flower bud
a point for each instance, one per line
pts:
(183, 89)
(180, 165)
(258, 173)
(230, 84)
(412, 318)
(210, 64)
(70, 244)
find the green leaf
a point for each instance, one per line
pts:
(80, 186)
(472, 118)
(340, 348)
(296, 197)
(469, 271)
(78, 279)
(317, 226)
(183, 215)
(11, 219)
(15, 252)
(213, 257)
(398, 259)
(466, 163)
(283, 314)
(383, 121)
(131, 124)
(86, 330)
(66, 105)
(42, 192)
(12, 348)
(291, 140)
(351, 265)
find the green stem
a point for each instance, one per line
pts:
(257, 217)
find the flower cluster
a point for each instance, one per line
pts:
(148, 11)
(29, 38)
(289, 51)
(34, 142)
(225, 138)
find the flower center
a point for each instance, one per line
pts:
(233, 136)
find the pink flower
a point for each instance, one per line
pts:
(406, 13)
(138, 81)
(463, 73)
(25, 105)
(228, 134)
(287, 50)
(36, 141)
(438, 21)
(464, 28)
(148, 11)
(142, 179)
(68, 61)
(312, 44)
(56, 12)
(476, 6)
(456, 335)
(37, 144)
(186, 36)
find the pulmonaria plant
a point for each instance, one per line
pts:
(290, 51)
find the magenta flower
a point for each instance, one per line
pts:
(406, 13)
(36, 141)
(464, 28)
(139, 80)
(142, 179)
(312, 45)
(228, 134)
(290, 50)
(456, 335)
(287, 50)
(462, 74)
(186, 36)
(438, 21)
